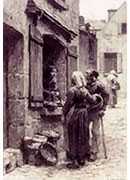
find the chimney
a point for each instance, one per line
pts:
(81, 21)
(111, 12)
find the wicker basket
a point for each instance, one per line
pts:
(49, 153)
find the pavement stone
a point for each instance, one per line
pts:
(113, 168)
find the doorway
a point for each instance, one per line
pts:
(110, 62)
(12, 65)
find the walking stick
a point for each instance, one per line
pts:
(103, 138)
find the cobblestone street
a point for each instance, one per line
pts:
(55, 53)
(113, 168)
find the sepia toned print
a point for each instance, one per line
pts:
(64, 91)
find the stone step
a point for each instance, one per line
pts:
(12, 158)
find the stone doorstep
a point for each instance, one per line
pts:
(32, 146)
(35, 139)
(12, 158)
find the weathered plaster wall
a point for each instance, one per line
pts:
(14, 16)
(110, 40)
(84, 54)
(84, 59)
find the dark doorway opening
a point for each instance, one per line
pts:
(110, 62)
(12, 55)
(54, 72)
(51, 54)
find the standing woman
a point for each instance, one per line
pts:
(76, 122)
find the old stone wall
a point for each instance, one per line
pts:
(17, 74)
(23, 120)
(69, 17)
(84, 54)
(14, 120)
(84, 58)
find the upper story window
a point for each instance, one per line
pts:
(123, 28)
(59, 4)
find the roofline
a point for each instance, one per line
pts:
(116, 10)
(114, 14)
(33, 10)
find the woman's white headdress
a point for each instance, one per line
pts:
(78, 79)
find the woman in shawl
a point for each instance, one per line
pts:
(76, 122)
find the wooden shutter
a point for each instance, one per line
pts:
(119, 62)
(36, 67)
(72, 62)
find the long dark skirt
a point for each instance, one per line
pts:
(78, 134)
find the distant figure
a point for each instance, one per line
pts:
(113, 86)
(76, 120)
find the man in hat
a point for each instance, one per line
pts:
(96, 87)
(113, 86)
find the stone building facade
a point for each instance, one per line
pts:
(112, 44)
(87, 46)
(37, 35)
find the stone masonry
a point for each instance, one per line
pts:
(21, 120)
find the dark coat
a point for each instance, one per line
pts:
(99, 88)
(76, 122)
